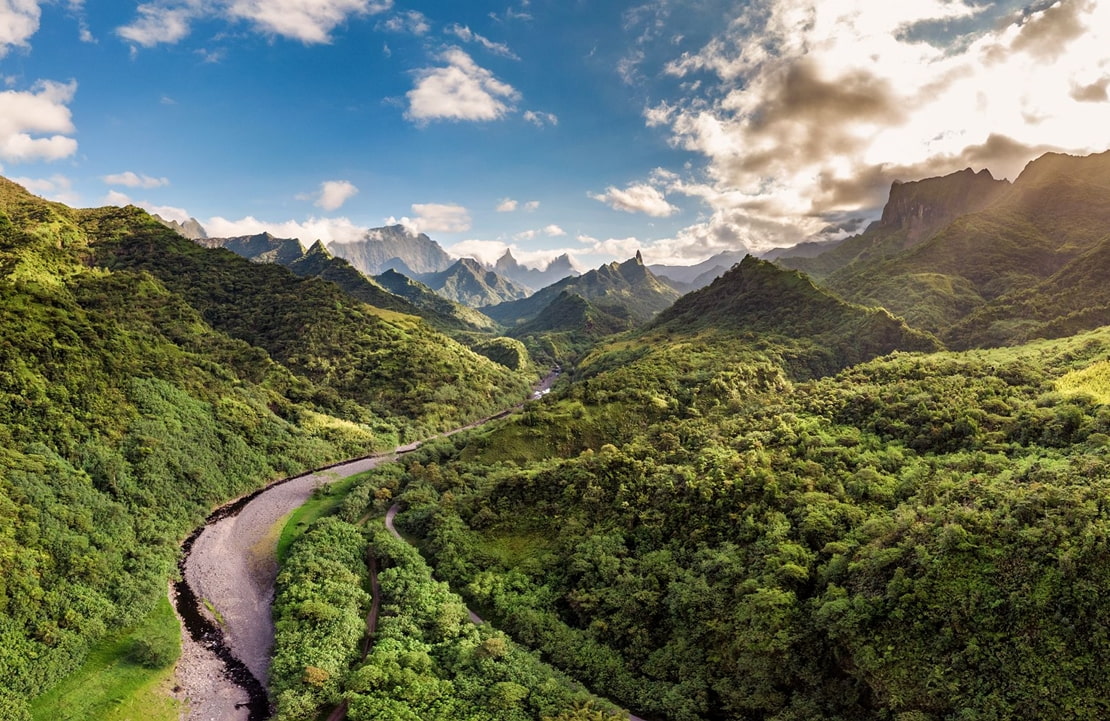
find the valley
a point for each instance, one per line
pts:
(868, 483)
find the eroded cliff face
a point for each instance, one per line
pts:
(924, 206)
(381, 248)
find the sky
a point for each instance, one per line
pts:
(680, 128)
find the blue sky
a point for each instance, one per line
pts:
(595, 128)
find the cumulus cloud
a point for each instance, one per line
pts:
(167, 212)
(531, 205)
(621, 248)
(506, 205)
(804, 111)
(464, 33)
(412, 22)
(641, 198)
(461, 90)
(540, 119)
(19, 20)
(129, 179)
(307, 231)
(435, 218)
(488, 251)
(309, 21)
(331, 195)
(1093, 92)
(36, 124)
(159, 23)
(57, 187)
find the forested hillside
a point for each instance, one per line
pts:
(698, 536)
(144, 379)
(983, 241)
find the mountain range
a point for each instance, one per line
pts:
(626, 289)
(827, 486)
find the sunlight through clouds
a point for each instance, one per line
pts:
(820, 106)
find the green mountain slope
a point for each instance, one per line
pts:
(625, 289)
(568, 327)
(434, 304)
(691, 533)
(469, 283)
(261, 248)
(1075, 299)
(144, 379)
(1056, 210)
(317, 262)
(757, 298)
(913, 213)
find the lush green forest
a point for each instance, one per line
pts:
(761, 502)
(917, 537)
(144, 379)
(426, 662)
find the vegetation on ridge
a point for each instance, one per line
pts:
(144, 379)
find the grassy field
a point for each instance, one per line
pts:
(113, 685)
(323, 501)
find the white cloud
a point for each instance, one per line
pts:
(506, 205)
(19, 20)
(612, 248)
(464, 33)
(331, 195)
(309, 21)
(412, 22)
(36, 124)
(57, 187)
(307, 231)
(435, 218)
(553, 231)
(129, 179)
(640, 198)
(167, 212)
(462, 90)
(488, 251)
(810, 109)
(531, 205)
(159, 23)
(540, 119)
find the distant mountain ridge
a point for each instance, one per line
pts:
(700, 274)
(191, 228)
(318, 261)
(381, 249)
(914, 211)
(261, 248)
(469, 282)
(1057, 209)
(533, 278)
(620, 289)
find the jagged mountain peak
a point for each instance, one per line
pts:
(393, 246)
(921, 207)
(318, 248)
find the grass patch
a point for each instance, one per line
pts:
(520, 547)
(324, 501)
(1094, 380)
(122, 679)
